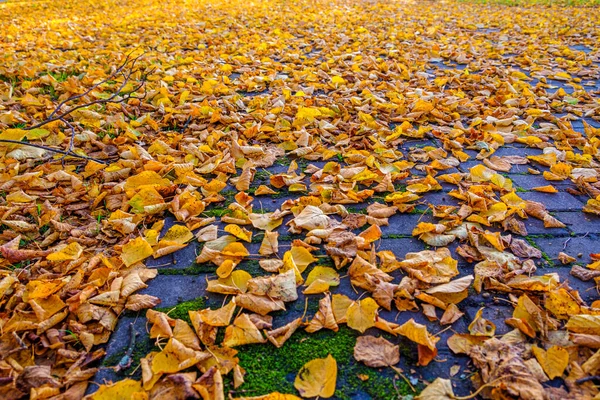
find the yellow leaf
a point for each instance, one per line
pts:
(122, 390)
(481, 326)
(422, 106)
(325, 274)
(70, 252)
(136, 250)
(554, 361)
(146, 178)
(584, 324)
(361, 314)
(178, 234)
(242, 332)
(545, 189)
(239, 232)
(317, 378)
(417, 333)
(176, 357)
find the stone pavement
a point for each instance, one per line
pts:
(181, 284)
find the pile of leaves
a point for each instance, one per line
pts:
(221, 90)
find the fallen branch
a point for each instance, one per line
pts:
(125, 70)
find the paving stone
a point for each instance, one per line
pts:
(529, 181)
(571, 246)
(178, 260)
(439, 198)
(535, 226)
(174, 289)
(401, 246)
(580, 222)
(118, 344)
(554, 201)
(404, 223)
(516, 150)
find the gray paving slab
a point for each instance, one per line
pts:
(580, 222)
(554, 201)
(529, 181)
(535, 226)
(578, 247)
(174, 289)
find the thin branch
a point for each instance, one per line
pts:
(125, 70)
(112, 75)
(109, 99)
(52, 149)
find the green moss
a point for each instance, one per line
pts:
(252, 267)
(290, 237)
(262, 175)
(216, 212)
(355, 210)
(520, 190)
(396, 236)
(545, 256)
(194, 269)
(271, 369)
(180, 311)
(283, 161)
(420, 211)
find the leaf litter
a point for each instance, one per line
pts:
(370, 103)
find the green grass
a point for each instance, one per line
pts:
(270, 369)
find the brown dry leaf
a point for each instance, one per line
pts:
(451, 315)
(376, 352)
(279, 336)
(258, 304)
(503, 368)
(439, 389)
(325, 317)
(210, 385)
(481, 326)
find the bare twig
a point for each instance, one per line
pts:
(52, 149)
(125, 70)
(128, 61)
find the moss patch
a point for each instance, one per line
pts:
(270, 369)
(180, 311)
(194, 269)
